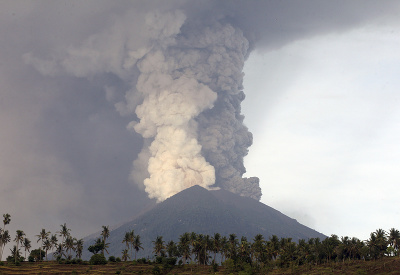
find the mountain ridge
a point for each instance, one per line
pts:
(207, 212)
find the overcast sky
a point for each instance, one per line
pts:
(321, 101)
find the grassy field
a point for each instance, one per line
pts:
(389, 265)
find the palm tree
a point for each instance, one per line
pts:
(64, 231)
(258, 247)
(394, 239)
(6, 220)
(126, 239)
(233, 242)
(105, 234)
(69, 245)
(4, 239)
(27, 245)
(224, 248)
(19, 238)
(43, 235)
(184, 246)
(54, 242)
(79, 248)
(125, 255)
(216, 240)
(137, 244)
(47, 245)
(159, 246)
(131, 240)
(59, 250)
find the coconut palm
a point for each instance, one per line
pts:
(125, 255)
(159, 246)
(137, 245)
(131, 240)
(64, 231)
(216, 240)
(105, 234)
(69, 245)
(43, 235)
(54, 242)
(79, 248)
(47, 245)
(19, 238)
(4, 239)
(27, 245)
(6, 220)
(184, 246)
(394, 239)
(127, 239)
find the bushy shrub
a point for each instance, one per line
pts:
(112, 259)
(156, 270)
(159, 259)
(118, 259)
(98, 259)
(171, 261)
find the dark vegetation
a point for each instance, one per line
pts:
(200, 254)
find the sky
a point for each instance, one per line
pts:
(326, 145)
(320, 82)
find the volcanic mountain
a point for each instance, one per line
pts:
(207, 212)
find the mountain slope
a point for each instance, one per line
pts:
(207, 212)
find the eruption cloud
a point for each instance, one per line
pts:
(185, 80)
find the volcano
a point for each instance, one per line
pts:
(205, 212)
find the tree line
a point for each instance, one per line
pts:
(191, 247)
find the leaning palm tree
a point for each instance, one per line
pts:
(27, 245)
(19, 238)
(43, 235)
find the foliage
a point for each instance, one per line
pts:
(37, 255)
(112, 259)
(98, 259)
(97, 247)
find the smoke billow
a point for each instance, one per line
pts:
(191, 85)
(185, 79)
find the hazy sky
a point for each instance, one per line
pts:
(326, 144)
(321, 97)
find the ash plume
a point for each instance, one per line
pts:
(191, 84)
(185, 90)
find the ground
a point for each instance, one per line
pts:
(388, 265)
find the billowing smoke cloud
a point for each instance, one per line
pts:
(191, 86)
(180, 64)
(185, 82)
